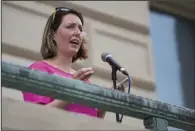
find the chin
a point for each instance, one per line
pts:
(73, 51)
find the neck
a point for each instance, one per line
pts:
(62, 62)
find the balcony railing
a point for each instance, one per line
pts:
(155, 114)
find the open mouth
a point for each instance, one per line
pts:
(74, 42)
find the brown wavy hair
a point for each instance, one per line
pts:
(49, 46)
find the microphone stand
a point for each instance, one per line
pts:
(114, 78)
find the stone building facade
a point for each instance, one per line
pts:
(120, 28)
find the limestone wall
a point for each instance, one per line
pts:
(120, 28)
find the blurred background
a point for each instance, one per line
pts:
(153, 40)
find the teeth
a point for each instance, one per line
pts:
(74, 42)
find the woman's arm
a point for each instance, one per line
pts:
(58, 104)
(81, 74)
(43, 100)
(101, 114)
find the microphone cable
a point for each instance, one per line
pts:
(118, 118)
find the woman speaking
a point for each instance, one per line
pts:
(63, 43)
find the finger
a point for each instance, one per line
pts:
(86, 75)
(121, 88)
(80, 72)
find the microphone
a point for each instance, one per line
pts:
(106, 57)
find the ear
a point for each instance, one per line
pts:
(53, 35)
(84, 37)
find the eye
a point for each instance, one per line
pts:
(81, 28)
(70, 26)
(74, 26)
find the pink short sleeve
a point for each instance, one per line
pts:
(35, 98)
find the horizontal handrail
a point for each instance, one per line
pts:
(24, 79)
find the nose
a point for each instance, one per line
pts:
(77, 31)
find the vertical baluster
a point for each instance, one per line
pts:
(156, 124)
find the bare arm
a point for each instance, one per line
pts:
(82, 74)
(101, 114)
(58, 104)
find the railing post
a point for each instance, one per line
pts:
(156, 124)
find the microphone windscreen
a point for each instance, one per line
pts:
(104, 56)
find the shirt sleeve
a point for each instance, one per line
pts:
(35, 98)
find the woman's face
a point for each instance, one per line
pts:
(69, 35)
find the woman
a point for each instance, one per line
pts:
(63, 43)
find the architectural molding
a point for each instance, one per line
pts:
(106, 18)
(48, 6)
(121, 38)
(22, 7)
(182, 8)
(128, 25)
(129, 40)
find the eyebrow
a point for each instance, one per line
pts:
(75, 24)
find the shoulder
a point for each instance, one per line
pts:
(40, 65)
(37, 65)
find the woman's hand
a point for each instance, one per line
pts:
(101, 113)
(83, 74)
(121, 88)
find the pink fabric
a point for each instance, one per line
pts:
(34, 98)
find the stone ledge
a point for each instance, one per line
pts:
(17, 115)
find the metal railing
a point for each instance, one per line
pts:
(155, 114)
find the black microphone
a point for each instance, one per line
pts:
(106, 57)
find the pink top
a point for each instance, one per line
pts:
(34, 98)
